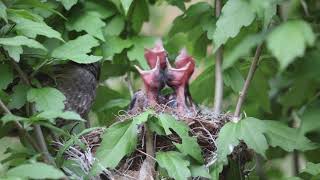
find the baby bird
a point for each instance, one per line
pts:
(178, 79)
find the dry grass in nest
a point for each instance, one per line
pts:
(203, 124)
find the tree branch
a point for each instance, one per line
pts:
(20, 128)
(218, 93)
(244, 91)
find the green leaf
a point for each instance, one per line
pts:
(310, 120)
(9, 143)
(199, 171)
(287, 138)
(11, 117)
(137, 51)
(89, 22)
(202, 88)
(32, 29)
(51, 115)
(242, 49)
(176, 43)
(115, 26)
(286, 49)
(21, 41)
(259, 88)
(297, 95)
(19, 96)
(235, 14)
(118, 140)
(140, 14)
(233, 78)
(67, 4)
(250, 130)
(175, 164)
(6, 75)
(155, 126)
(189, 145)
(178, 3)
(14, 52)
(126, 5)
(18, 15)
(104, 8)
(46, 7)
(36, 171)
(115, 103)
(265, 10)
(114, 45)
(253, 131)
(143, 117)
(46, 99)
(190, 19)
(77, 49)
(3, 12)
(209, 27)
(312, 168)
(215, 170)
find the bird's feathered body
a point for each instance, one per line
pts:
(78, 82)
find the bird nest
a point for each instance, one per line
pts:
(203, 124)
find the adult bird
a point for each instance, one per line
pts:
(78, 82)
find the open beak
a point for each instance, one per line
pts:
(178, 78)
(150, 77)
(180, 75)
(154, 53)
(152, 82)
(182, 59)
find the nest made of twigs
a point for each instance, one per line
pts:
(203, 124)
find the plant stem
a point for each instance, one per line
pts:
(38, 67)
(40, 138)
(218, 93)
(259, 169)
(129, 84)
(296, 162)
(38, 131)
(22, 75)
(295, 156)
(149, 148)
(244, 91)
(20, 128)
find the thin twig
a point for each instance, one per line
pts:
(20, 128)
(39, 66)
(146, 154)
(129, 84)
(244, 91)
(38, 131)
(22, 75)
(305, 7)
(218, 93)
(296, 156)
